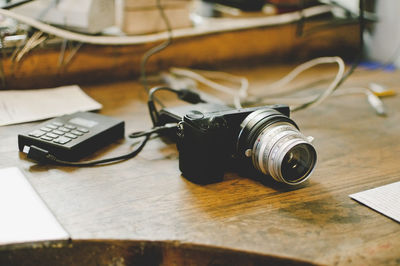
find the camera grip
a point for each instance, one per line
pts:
(202, 155)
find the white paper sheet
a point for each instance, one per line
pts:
(384, 199)
(24, 216)
(19, 106)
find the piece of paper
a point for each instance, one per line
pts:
(384, 199)
(24, 216)
(19, 106)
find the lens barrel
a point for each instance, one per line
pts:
(276, 146)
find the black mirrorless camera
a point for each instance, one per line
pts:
(211, 138)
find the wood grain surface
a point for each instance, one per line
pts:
(146, 200)
(41, 67)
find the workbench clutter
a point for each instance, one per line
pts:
(143, 16)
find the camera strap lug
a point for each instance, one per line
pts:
(180, 130)
(248, 153)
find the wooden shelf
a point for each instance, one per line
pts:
(95, 63)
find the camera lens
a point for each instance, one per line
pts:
(276, 146)
(298, 163)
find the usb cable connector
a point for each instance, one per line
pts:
(37, 154)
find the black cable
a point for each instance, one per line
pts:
(183, 94)
(104, 161)
(300, 32)
(41, 155)
(301, 21)
(151, 105)
(160, 88)
(156, 49)
(353, 66)
(12, 5)
(158, 130)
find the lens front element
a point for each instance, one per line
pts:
(278, 148)
(298, 163)
(284, 153)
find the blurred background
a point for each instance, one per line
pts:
(53, 42)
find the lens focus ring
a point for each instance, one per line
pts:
(264, 143)
(278, 148)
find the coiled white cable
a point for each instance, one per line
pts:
(129, 40)
(241, 94)
(279, 86)
(201, 76)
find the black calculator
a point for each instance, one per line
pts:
(72, 137)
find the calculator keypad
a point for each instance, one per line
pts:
(70, 126)
(70, 135)
(37, 133)
(52, 126)
(46, 129)
(64, 129)
(59, 133)
(83, 130)
(76, 132)
(46, 138)
(62, 140)
(52, 135)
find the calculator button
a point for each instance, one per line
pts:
(52, 135)
(58, 132)
(46, 129)
(70, 126)
(70, 135)
(76, 132)
(62, 140)
(52, 126)
(64, 129)
(58, 124)
(83, 130)
(37, 133)
(46, 138)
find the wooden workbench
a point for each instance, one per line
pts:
(143, 212)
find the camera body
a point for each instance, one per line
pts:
(212, 137)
